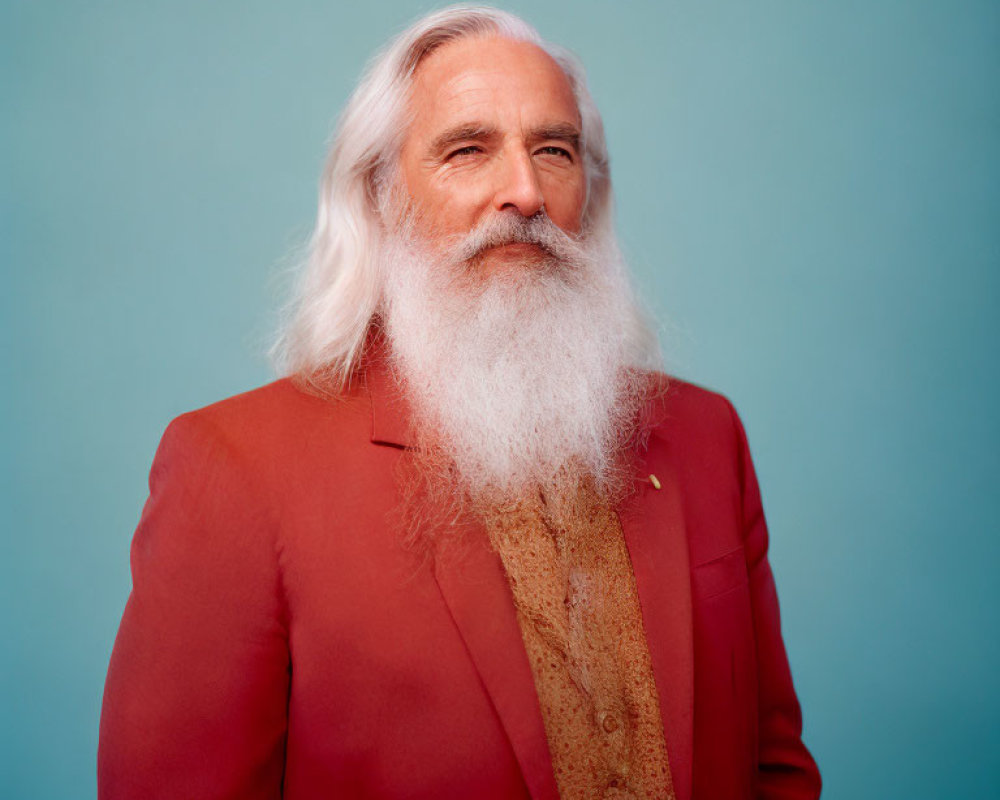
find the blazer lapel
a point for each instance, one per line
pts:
(653, 524)
(475, 588)
(472, 582)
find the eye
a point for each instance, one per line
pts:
(553, 150)
(468, 150)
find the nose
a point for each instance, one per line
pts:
(518, 188)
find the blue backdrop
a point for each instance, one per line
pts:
(809, 193)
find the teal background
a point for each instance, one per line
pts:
(809, 193)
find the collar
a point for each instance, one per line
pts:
(391, 411)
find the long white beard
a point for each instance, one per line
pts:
(523, 377)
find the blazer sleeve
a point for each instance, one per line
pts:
(195, 703)
(785, 769)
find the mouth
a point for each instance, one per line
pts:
(517, 250)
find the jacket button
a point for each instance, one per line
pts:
(609, 722)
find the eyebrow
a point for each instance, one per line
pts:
(560, 132)
(461, 133)
(476, 131)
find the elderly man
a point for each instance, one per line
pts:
(473, 545)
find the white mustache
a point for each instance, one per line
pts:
(511, 228)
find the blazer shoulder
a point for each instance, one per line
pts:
(276, 417)
(682, 408)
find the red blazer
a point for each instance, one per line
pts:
(279, 642)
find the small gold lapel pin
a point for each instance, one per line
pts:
(655, 481)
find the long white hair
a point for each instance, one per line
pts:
(340, 288)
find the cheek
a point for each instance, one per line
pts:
(564, 204)
(453, 206)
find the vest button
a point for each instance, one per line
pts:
(617, 789)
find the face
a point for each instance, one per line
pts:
(495, 129)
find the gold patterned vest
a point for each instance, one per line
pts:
(578, 609)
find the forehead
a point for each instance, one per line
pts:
(486, 78)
